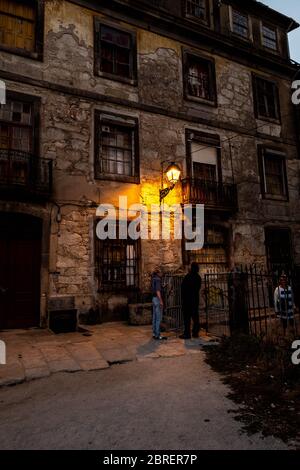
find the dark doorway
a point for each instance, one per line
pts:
(20, 264)
(279, 250)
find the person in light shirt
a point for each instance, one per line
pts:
(284, 302)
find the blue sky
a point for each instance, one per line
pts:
(290, 8)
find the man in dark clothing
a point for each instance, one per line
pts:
(190, 290)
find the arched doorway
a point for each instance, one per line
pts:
(20, 266)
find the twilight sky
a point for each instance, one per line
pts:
(290, 8)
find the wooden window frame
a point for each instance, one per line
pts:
(275, 29)
(98, 23)
(262, 152)
(111, 286)
(106, 118)
(247, 38)
(37, 54)
(196, 19)
(36, 104)
(187, 56)
(206, 140)
(277, 119)
(187, 256)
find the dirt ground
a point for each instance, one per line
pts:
(158, 403)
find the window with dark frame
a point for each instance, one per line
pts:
(199, 78)
(117, 264)
(213, 257)
(197, 9)
(269, 37)
(267, 99)
(116, 148)
(240, 24)
(18, 137)
(22, 27)
(273, 167)
(17, 125)
(115, 52)
(17, 24)
(205, 172)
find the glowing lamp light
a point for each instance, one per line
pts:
(173, 173)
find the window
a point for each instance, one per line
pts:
(240, 24)
(21, 26)
(116, 148)
(115, 53)
(273, 175)
(205, 172)
(199, 78)
(266, 99)
(279, 250)
(16, 125)
(203, 156)
(117, 264)
(269, 38)
(213, 257)
(18, 139)
(197, 9)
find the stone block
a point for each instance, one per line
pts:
(140, 314)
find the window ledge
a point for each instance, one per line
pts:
(21, 52)
(270, 197)
(197, 20)
(269, 120)
(212, 103)
(118, 178)
(116, 78)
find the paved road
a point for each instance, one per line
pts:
(165, 403)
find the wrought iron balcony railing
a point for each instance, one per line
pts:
(23, 174)
(214, 195)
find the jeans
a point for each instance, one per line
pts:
(157, 315)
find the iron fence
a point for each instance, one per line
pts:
(244, 300)
(172, 316)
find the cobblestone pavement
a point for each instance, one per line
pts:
(37, 353)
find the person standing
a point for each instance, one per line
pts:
(157, 304)
(190, 294)
(284, 302)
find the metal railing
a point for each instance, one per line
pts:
(212, 194)
(247, 292)
(24, 174)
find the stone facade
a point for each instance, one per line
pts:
(70, 93)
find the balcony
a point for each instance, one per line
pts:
(24, 176)
(215, 196)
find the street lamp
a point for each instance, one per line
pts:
(173, 173)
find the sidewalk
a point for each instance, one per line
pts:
(37, 353)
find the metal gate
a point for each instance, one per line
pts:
(227, 300)
(217, 303)
(172, 316)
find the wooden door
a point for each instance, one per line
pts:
(20, 262)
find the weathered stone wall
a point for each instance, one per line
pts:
(67, 137)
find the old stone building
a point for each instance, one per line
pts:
(101, 96)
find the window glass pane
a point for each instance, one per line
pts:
(213, 256)
(116, 152)
(198, 79)
(240, 24)
(269, 37)
(274, 175)
(197, 8)
(115, 52)
(117, 263)
(16, 120)
(267, 99)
